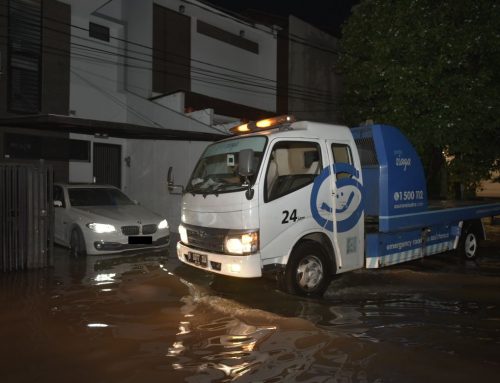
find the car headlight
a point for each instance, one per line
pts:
(183, 233)
(163, 225)
(242, 243)
(101, 227)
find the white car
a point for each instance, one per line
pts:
(100, 219)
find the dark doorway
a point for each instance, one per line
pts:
(108, 164)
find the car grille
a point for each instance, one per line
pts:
(135, 230)
(130, 230)
(149, 229)
(208, 239)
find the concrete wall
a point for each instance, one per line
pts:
(147, 175)
(138, 16)
(312, 70)
(97, 76)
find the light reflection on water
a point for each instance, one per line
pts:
(147, 318)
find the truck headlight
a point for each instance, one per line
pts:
(101, 228)
(184, 235)
(163, 225)
(242, 243)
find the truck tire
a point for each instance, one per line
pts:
(308, 271)
(468, 245)
(77, 243)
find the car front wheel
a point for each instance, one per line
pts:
(77, 243)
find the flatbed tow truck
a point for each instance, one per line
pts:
(309, 200)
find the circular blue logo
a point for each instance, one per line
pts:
(349, 206)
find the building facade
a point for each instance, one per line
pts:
(116, 91)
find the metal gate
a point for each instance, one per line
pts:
(108, 164)
(26, 216)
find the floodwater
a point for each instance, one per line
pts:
(147, 318)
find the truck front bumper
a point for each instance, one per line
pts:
(240, 266)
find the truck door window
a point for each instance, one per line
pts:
(292, 166)
(342, 154)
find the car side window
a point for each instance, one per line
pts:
(59, 195)
(292, 165)
(342, 154)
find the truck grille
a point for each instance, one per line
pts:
(130, 230)
(149, 229)
(205, 238)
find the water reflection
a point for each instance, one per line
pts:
(145, 317)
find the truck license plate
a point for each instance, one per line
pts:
(198, 259)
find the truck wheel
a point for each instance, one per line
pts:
(308, 271)
(77, 243)
(468, 245)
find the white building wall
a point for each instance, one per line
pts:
(223, 71)
(96, 71)
(109, 87)
(138, 16)
(147, 175)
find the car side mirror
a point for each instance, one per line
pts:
(58, 203)
(170, 183)
(246, 169)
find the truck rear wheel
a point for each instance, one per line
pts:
(308, 271)
(468, 245)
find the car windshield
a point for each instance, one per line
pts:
(97, 197)
(217, 169)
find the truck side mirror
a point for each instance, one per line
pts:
(246, 168)
(246, 163)
(170, 183)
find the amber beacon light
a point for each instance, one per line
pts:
(268, 123)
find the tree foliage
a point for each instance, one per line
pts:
(431, 68)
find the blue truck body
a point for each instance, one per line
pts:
(405, 224)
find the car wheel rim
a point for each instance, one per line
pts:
(470, 245)
(309, 273)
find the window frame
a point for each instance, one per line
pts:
(349, 154)
(320, 167)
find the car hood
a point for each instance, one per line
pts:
(129, 214)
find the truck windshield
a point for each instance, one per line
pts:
(217, 169)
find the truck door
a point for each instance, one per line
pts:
(291, 167)
(346, 205)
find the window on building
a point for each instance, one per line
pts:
(99, 32)
(26, 146)
(24, 40)
(292, 166)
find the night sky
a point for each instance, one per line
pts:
(328, 15)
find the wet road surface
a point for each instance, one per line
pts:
(146, 318)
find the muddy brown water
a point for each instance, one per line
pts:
(145, 318)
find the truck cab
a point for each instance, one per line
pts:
(295, 208)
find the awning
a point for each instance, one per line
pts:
(59, 123)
